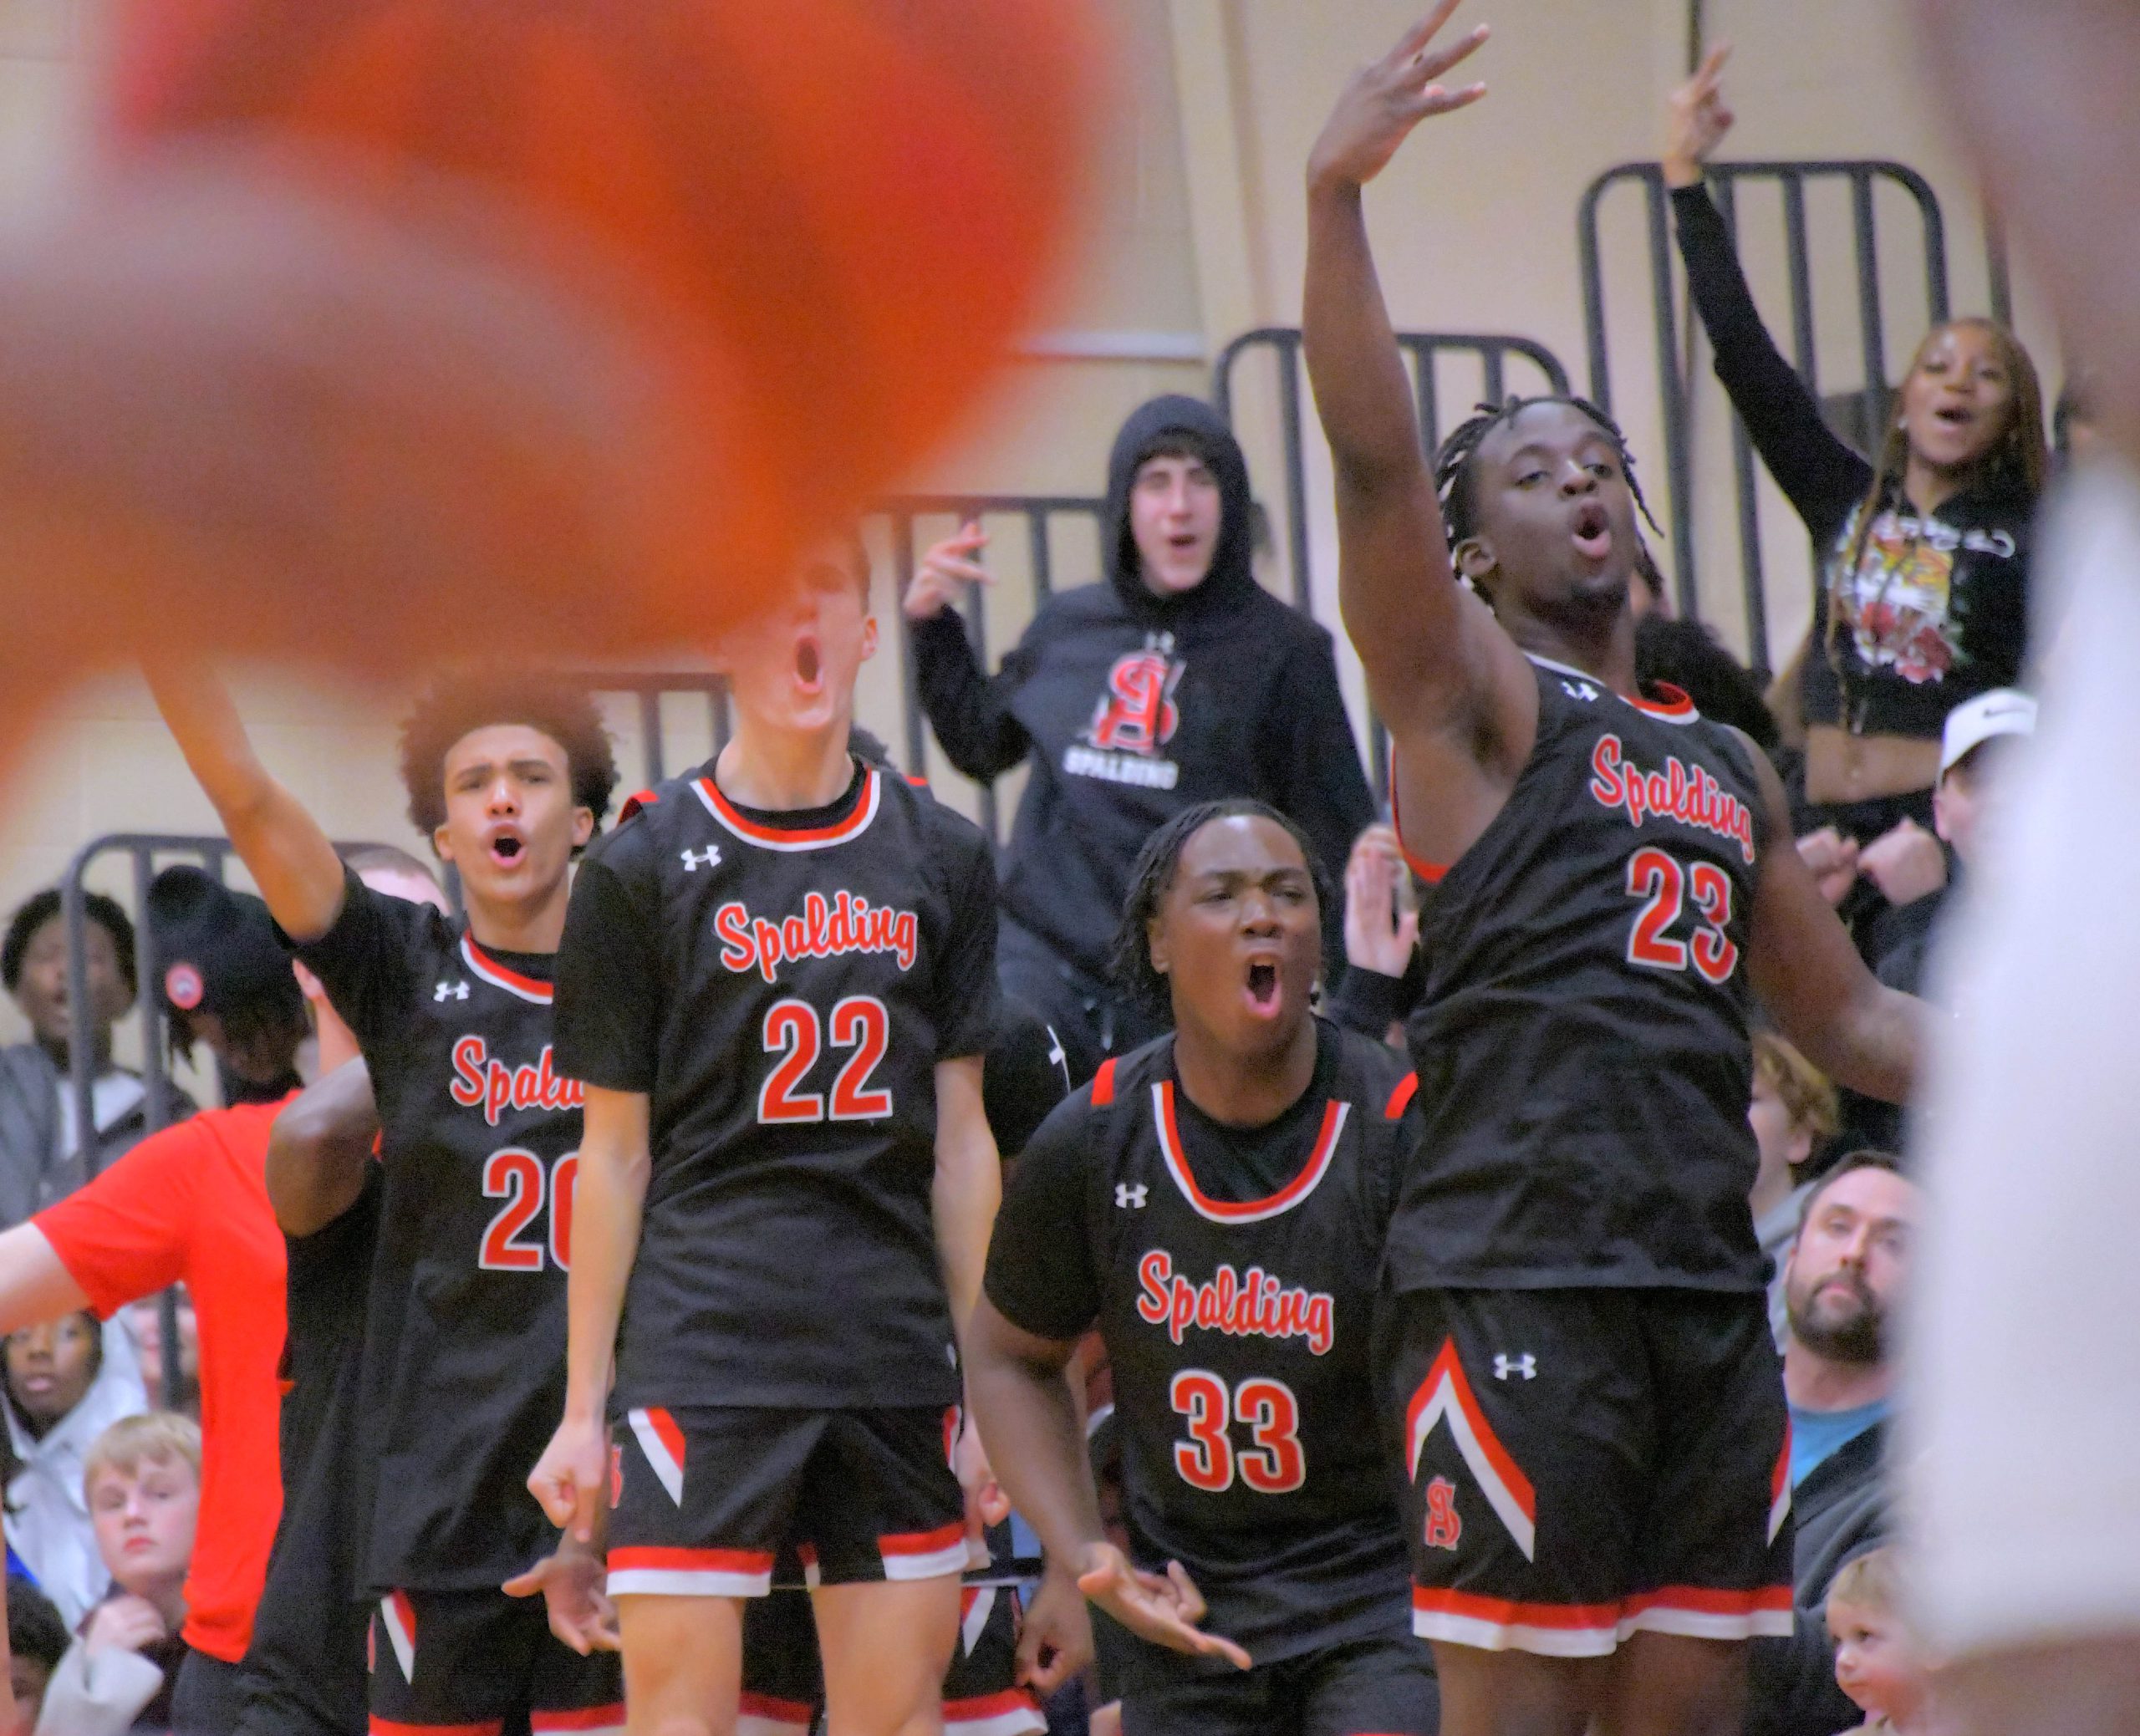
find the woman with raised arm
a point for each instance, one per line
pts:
(1923, 599)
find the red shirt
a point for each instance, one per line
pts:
(190, 1204)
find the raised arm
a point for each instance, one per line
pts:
(290, 858)
(318, 1148)
(1819, 473)
(1802, 965)
(1398, 591)
(966, 708)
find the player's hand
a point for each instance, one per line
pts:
(986, 1505)
(1832, 859)
(947, 570)
(572, 1582)
(1055, 1642)
(1164, 1609)
(1699, 120)
(125, 1624)
(1380, 928)
(1387, 99)
(567, 1479)
(1905, 862)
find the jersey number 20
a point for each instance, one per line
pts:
(1272, 1463)
(860, 1024)
(519, 1178)
(1664, 886)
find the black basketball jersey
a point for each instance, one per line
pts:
(1232, 1273)
(783, 986)
(1581, 1037)
(463, 1378)
(305, 1665)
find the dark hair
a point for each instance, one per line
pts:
(34, 913)
(2020, 461)
(1129, 959)
(1686, 654)
(35, 1627)
(462, 703)
(1848, 1165)
(1455, 460)
(1177, 443)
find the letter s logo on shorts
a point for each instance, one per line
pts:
(1445, 1526)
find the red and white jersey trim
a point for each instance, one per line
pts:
(979, 1602)
(1699, 1613)
(776, 838)
(1249, 1211)
(1779, 1486)
(1445, 1395)
(1012, 1713)
(1672, 706)
(925, 1555)
(662, 1441)
(762, 1715)
(499, 976)
(689, 1572)
(1497, 1624)
(582, 1721)
(397, 1615)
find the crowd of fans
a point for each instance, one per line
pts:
(1176, 679)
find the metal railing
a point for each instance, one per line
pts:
(1038, 515)
(1674, 385)
(1493, 353)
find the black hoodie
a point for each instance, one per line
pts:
(1131, 707)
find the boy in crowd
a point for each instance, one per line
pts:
(37, 1640)
(1793, 1114)
(777, 983)
(43, 1156)
(1177, 680)
(1878, 1663)
(508, 776)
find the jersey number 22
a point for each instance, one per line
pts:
(792, 1031)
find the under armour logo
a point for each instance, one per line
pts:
(1055, 1057)
(1579, 690)
(1526, 1364)
(1129, 1199)
(450, 991)
(694, 860)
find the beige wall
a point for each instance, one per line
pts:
(1194, 232)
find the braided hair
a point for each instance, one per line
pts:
(1453, 466)
(1129, 959)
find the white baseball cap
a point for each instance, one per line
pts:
(2002, 712)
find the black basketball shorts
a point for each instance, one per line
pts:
(701, 1498)
(783, 1683)
(1381, 1686)
(1585, 1464)
(480, 1663)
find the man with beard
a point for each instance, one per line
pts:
(1841, 1282)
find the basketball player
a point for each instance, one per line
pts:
(1593, 1418)
(777, 983)
(1215, 1201)
(464, 1329)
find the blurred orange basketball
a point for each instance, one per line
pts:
(849, 206)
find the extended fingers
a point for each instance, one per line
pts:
(1416, 40)
(1435, 100)
(1436, 61)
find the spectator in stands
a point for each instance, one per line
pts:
(1178, 680)
(66, 1381)
(1923, 598)
(41, 1156)
(190, 1204)
(143, 1482)
(1793, 1111)
(247, 1011)
(1877, 1662)
(1842, 1280)
(37, 1640)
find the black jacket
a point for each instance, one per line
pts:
(1130, 707)
(1840, 1512)
(1937, 610)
